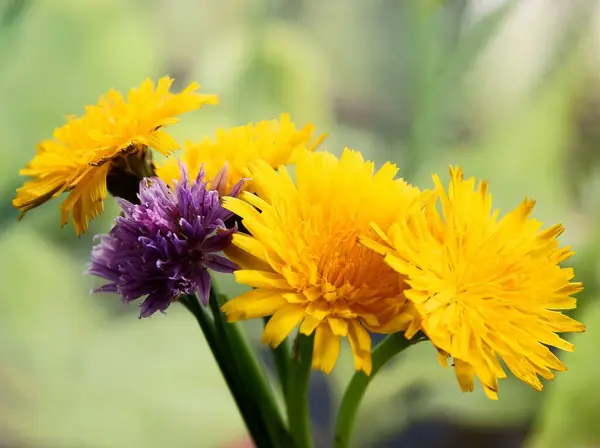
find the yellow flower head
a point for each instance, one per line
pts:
(486, 288)
(228, 157)
(83, 151)
(303, 256)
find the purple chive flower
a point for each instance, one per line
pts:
(162, 247)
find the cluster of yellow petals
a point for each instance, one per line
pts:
(344, 249)
(227, 157)
(486, 289)
(303, 258)
(80, 154)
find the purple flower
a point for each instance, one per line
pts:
(162, 247)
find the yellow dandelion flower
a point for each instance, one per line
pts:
(110, 133)
(303, 256)
(486, 288)
(228, 157)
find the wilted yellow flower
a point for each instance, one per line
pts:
(303, 256)
(111, 133)
(228, 156)
(486, 288)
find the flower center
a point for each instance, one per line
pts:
(351, 273)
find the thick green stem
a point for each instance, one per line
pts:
(282, 358)
(255, 385)
(297, 398)
(247, 408)
(385, 350)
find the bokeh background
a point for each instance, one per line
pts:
(507, 89)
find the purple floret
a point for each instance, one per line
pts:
(162, 247)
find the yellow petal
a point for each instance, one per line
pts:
(374, 245)
(253, 304)
(442, 358)
(255, 201)
(396, 263)
(250, 245)
(490, 393)
(261, 279)
(35, 193)
(338, 326)
(241, 208)
(398, 322)
(244, 259)
(360, 343)
(381, 234)
(85, 201)
(326, 349)
(413, 328)
(282, 323)
(465, 374)
(309, 324)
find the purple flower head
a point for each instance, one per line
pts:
(162, 247)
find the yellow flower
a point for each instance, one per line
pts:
(228, 157)
(304, 260)
(111, 133)
(486, 288)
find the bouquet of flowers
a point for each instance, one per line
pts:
(335, 251)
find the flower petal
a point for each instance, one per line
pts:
(202, 282)
(326, 349)
(282, 323)
(253, 304)
(261, 279)
(360, 343)
(465, 374)
(220, 264)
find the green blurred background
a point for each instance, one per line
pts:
(509, 90)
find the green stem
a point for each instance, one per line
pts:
(385, 350)
(297, 399)
(255, 385)
(282, 358)
(248, 411)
